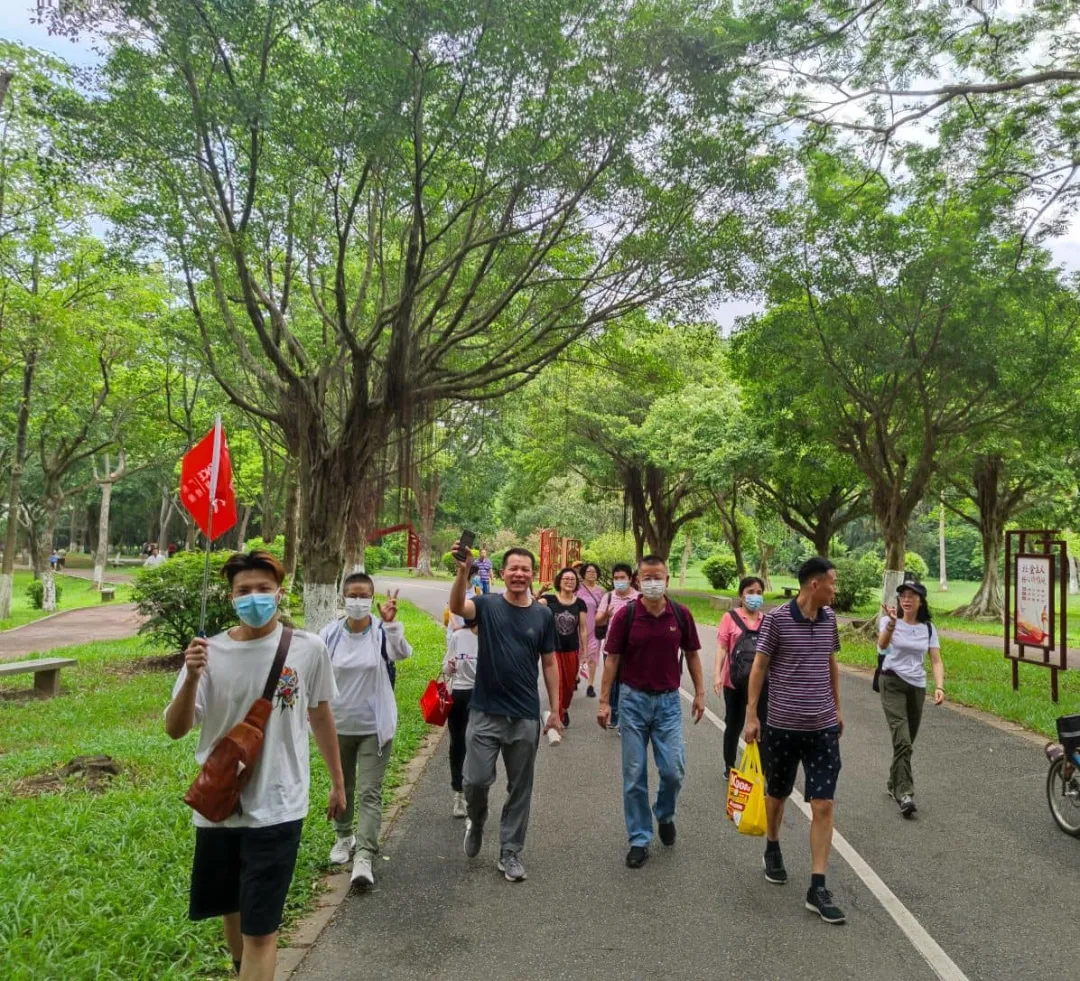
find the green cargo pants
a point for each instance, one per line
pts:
(903, 705)
(364, 769)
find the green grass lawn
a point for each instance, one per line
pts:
(94, 886)
(76, 593)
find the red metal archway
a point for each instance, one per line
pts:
(413, 548)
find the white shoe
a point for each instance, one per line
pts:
(342, 850)
(460, 810)
(362, 875)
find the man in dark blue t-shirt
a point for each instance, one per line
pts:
(514, 632)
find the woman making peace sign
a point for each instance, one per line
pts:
(363, 651)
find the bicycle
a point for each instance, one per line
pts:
(1063, 780)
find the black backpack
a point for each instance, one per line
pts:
(741, 656)
(680, 619)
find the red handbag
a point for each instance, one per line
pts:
(436, 702)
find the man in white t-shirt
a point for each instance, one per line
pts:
(154, 559)
(243, 865)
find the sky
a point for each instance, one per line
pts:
(15, 25)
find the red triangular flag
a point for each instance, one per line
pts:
(196, 474)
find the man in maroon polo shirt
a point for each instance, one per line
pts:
(645, 639)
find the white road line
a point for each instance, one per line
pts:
(940, 962)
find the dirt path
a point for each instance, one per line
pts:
(81, 626)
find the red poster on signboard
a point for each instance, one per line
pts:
(195, 477)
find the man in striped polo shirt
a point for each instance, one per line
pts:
(796, 648)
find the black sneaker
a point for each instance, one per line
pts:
(667, 832)
(590, 692)
(566, 718)
(819, 901)
(637, 856)
(474, 838)
(907, 806)
(774, 868)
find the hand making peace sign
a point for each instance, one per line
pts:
(389, 611)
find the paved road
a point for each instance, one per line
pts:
(983, 871)
(79, 626)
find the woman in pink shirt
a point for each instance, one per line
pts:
(592, 593)
(621, 594)
(736, 642)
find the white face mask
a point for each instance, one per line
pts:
(653, 588)
(620, 586)
(357, 608)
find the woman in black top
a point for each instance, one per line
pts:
(571, 634)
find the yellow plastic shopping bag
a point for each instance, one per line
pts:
(746, 793)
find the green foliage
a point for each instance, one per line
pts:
(856, 580)
(720, 570)
(169, 597)
(35, 592)
(607, 549)
(376, 558)
(915, 565)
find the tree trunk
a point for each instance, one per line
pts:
(78, 526)
(765, 554)
(895, 550)
(292, 525)
(241, 531)
(822, 539)
(270, 500)
(102, 555)
(164, 520)
(427, 502)
(943, 574)
(1074, 576)
(328, 504)
(7, 570)
(48, 583)
(989, 601)
(688, 547)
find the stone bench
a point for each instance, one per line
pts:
(107, 593)
(46, 672)
(790, 592)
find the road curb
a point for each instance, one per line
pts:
(64, 613)
(334, 886)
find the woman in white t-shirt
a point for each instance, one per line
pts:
(363, 650)
(905, 642)
(460, 665)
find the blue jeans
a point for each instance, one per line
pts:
(485, 586)
(645, 718)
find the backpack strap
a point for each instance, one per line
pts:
(279, 663)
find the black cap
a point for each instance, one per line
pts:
(915, 587)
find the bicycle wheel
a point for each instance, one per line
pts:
(1063, 795)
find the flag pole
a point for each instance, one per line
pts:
(215, 463)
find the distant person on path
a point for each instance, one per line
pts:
(483, 567)
(61, 558)
(644, 642)
(243, 866)
(460, 664)
(622, 592)
(797, 647)
(592, 593)
(362, 652)
(515, 631)
(54, 560)
(906, 642)
(172, 549)
(736, 646)
(154, 559)
(570, 636)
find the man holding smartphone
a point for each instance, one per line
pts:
(514, 632)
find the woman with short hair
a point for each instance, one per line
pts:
(591, 593)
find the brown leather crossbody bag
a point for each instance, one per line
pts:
(215, 792)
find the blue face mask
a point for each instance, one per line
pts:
(753, 601)
(621, 586)
(256, 609)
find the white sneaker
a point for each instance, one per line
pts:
(342, 849)
(460, 810)
(362, 875)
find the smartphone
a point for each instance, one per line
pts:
(465, 541)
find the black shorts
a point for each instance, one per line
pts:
(245, 871)
(819, 754)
